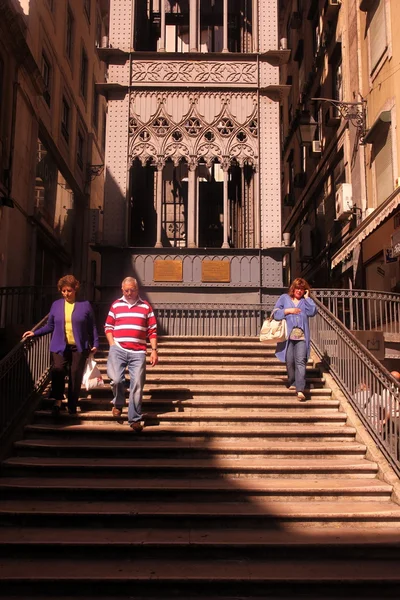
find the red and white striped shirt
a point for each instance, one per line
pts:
(131, 324)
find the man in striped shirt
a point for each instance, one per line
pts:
(129, 323)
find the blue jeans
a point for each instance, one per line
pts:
(118, 361)
(296, 361)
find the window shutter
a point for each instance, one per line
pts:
(377, 35)
(383, 165)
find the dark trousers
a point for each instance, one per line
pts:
(71, 363)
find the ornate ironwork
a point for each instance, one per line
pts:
(94, 171)
(355, 112)
(188, 134)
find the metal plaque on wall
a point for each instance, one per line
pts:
(373, 341)
(168, 270)
(215, 271)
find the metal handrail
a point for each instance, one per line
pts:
(369, 387)
(363, 309)
(23, 373)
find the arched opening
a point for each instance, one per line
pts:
(174, 205)
(143, 216)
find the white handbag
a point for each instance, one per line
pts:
(273, 331)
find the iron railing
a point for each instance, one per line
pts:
(24, 305)
(210, 319)
(23, 373)
(368, 386)
(363, 309)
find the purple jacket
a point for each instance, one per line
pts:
(83, 327)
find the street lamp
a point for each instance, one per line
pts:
(306, 127)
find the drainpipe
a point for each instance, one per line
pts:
(12, 138)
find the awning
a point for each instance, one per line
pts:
(367, 227)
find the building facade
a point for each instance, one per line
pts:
(52, 123)
(192, 190)
(340, 192)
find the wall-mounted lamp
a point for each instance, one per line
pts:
(355, 112)
(306, 127)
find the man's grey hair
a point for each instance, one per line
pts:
(130, 280)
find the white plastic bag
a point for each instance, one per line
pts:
(91, 376)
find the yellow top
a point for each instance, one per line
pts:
(69, 334)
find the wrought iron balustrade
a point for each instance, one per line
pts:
(210, 319)
(23, 373)
(368, 386)
(22, 306)
(363, 309)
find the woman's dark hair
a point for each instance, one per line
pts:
(68, 280)
(298, 283)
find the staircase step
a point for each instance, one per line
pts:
(238, 543)
(207, 416)
(214, 431)
(271, 402)
(178, 578)
(263, 513)
(222, 378)
(223, 467)
(218, 369)
(200, 391)
(197, 448)
(195, 490)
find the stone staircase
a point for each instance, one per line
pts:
(234, 489)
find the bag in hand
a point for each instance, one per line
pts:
(91, 376)
(273, 331)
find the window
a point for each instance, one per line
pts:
(98, 30)
(95, 111)
(383, 163)
(69, 36)
(377, 34)
(1, 110)
(65, 118)
(84, 74)
(80, 147)
(46, 74)
(1, 83)
(86, 8)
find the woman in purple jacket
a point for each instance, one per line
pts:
(74, 336)
(296, 307)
